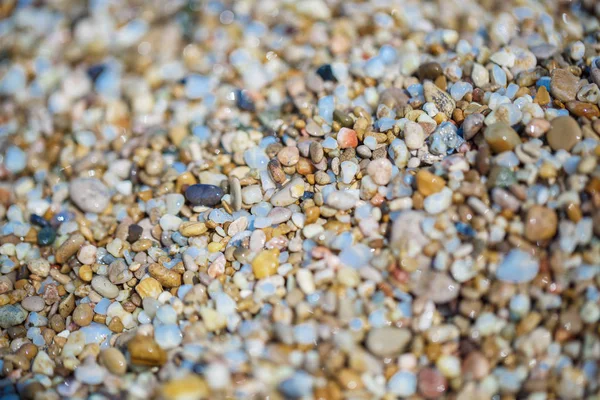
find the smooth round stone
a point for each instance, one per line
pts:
(83, 314)
(388, 341)
(380, 171)
(15, 159)
(403, 384)
(33, 303)
(204, 195)
(428, 183)
(430, 70)
(438, 202)
(347, 138)
(341, 200)
(436, 286)
(105, 287)
(564, 133)
(39, 267)
(475, 366)
(174, 202)
(432, 383)
(143, 350)
(12, 315)
(541, 223)
(113, 360)
(89, 194)
(186, 388)
(46, 236)
(252, 194)
(501, 137)
(289, 156)
(518, 266)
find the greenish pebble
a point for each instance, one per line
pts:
(46, 236)
(344, 119)
(501, 177)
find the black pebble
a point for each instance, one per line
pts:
(39, 221)
(135, 233)
(326, 73)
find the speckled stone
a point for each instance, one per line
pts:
(564, 85)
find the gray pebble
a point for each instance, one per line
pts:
(89, 194)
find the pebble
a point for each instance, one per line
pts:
(388, 341)
(564, 85)
(442, 100)
(428, 183)
(144, 351)
(380, 170)
(403, 384)
(430, 71)
(564, 133)
(341, 200)
(12, 315)
(188, 387)
(414, 137)
(289, 193)
(69, 248)
(518, 266)
(39, 267)
(438, 202)
(346, 138)
(83, 314)
(33, 303)
(541, 223)
(472, 125)
(265, 263)
(501, 137)
(204, 195)
(431, 383)
(89, 194)
(105, 287)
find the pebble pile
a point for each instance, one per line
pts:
(316, 199)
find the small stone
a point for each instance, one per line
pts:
(235, 191)
(430, 71)
(90, 373)
(265, 263)
(166, 277)
(288, 156)
(46, 236)
(204, 195)
(403, 384)
(143, 350)
(501, 137)
(289, 193)
(134, 233)
(438, 202)
(113, 360)
(316, 152)
(564, 85)
(89, 194)
(428, 183)
(582, 109)
(83, 314)
(39, 267)
(541, 223)
(192, 228)
(186, 388)
(33, 303)
(443, 101)
(12, 315)
(414, 136)
(475, 366)
(42, 364)
(347, 138)
(472, 125)
(105, 287)
(341, 200)
(69, 248)
(449, 366)
(518, 266)
(149, 287)
(564, 133)
(432, 383)
(251, 194)
(380, 170)
(388, 341)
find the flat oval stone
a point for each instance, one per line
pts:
(89, 194)
(564, 133)
(33, 303)
(204, 195)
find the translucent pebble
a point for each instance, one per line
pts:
(85, 138)
(388, 54)
(356, 256)
(14, 80)
(374, 68)
(326, 106)
(329, 143)
(403, 383)
(166, 314)
(225, 305)
(168, 336)
(102, 306)
(518, 266)
(198, 86)
(499, 76)
(220, 216)
(255, 157)
(96, 333)
(305, 333)
(460, 89)
(174, 203)
(15, 159)
(370, 142)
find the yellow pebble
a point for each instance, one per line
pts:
(214, 247)
(85, 273)
(428, 183)
(265, 263)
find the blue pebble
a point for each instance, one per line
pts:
(543, 81)
(297, 386)
(15, 159)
